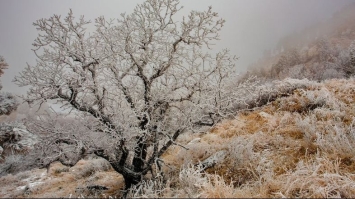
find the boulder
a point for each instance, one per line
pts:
(213, 159)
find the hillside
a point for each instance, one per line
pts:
(300, 145)
(323, 51)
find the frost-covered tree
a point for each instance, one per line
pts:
(146, 77)
(8, 101)
(8, 104)
(288, 59)
(325, 50)
(350, 69)
(346, 60)
(296, 71)
(3, 65)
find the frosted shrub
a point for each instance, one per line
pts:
(196, 152)
(14, 137)
(241, 151)
(296, 72)
(338, 140)
(320, 178)
(217, 188)
(93, 166)
(330, 136)
(309, 127)
(150, 189)
(192, 180)
(331, 73)
(8, 103)
(252, 166)
(312, 100)
(10, 161)
(254, 93)
(193, 183)
(331, 101)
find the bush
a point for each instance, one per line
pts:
(19, 153)
(8, 103)
(85, 168)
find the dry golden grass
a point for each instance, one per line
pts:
(57, 169)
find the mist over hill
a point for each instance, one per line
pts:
(322, 51)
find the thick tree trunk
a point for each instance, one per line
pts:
(129, 182)
(140, 151)
(140, 154)
(130, 177)
(134, 171)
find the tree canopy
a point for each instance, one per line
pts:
(146, 77)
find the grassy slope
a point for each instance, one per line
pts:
(295, 146)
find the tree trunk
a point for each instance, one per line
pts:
(140, 154)
(140, 150)
(132, 173)
(129, 182)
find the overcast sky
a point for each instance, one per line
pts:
(252, 25)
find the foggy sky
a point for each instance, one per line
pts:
(252, 26)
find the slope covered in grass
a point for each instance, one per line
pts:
(298, 144)
(295, 146)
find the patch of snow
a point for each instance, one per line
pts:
(33, 181)
(21, 187)
(194, 141)
(265, 115)
(33, 184)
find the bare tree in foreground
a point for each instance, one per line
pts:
(146, 78)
